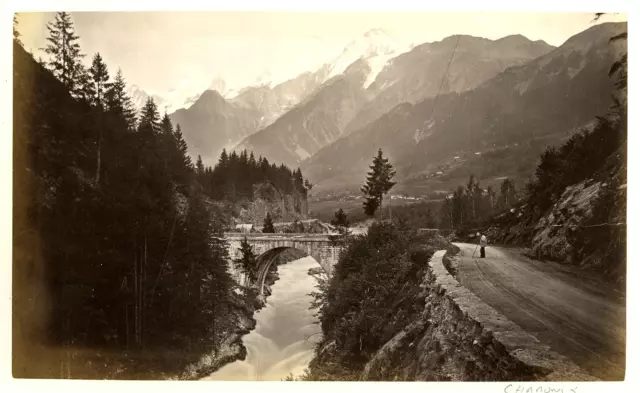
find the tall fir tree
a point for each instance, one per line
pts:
(224, 159)
(166, 126)
(247, 263)
(379, 182)
(508, 194)
(65, 58)
(149, 117)
(491, 194)
(100, 80)
(268, 227)
(446, 213)
(96, 90)
(119, 102)
(471, 185)
(340, 221)
(182, 148)
(199, 166)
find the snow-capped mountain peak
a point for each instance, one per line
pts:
(376, 46)
(139, 98)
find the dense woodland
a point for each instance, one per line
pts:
(471, 204)
(233, 177)
(466, 206)
(115, 236)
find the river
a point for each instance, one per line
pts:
(285, 335)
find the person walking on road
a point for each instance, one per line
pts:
(483, 244)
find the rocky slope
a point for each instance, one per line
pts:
(267, 199)
(548, 97)
(586, 226)
(460, 338)
(454, 337)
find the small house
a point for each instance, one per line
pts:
(245, 228)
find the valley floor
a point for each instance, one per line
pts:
(576, 318)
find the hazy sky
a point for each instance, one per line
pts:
(162, 50)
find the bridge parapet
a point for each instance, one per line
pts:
(324, 248)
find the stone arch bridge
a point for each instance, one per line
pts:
(324, 248)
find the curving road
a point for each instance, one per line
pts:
(574, 314)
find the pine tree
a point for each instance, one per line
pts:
(459, 207)
(166, 126)
(446, 213)
(149, 117)
(298, 180)
(267, 227)
(183, 155)
(340, 221)
(247, 262)
(224, 159)
(64, 53)
(491, 194)
(95, 91)
(169, 147)
(378, 183)
(199, 165)
(508, 193)
(470, 192)
(100, 79)
(119, 103)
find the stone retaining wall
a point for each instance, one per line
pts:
(461, 338)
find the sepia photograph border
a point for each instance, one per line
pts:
(9, 384)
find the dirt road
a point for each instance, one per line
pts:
(576, 316)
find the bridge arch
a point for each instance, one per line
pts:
(323, 248)
(266, 260)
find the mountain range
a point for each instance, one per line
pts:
(422, 104)
(378, 80)
(545, 99)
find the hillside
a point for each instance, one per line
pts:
(418, 74)
(272, 102)
(315, 122)
(212, 123)
(574, 209)
(547, 98)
